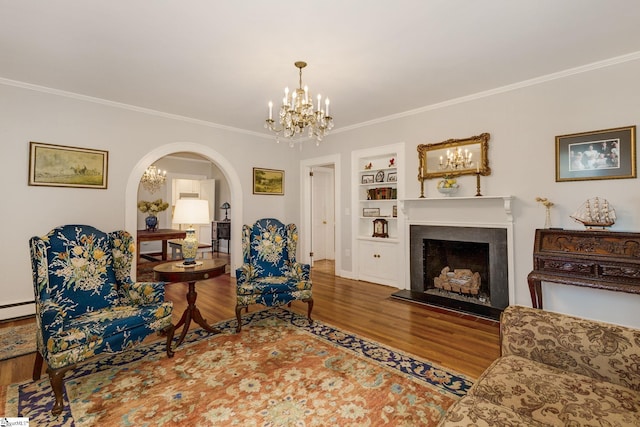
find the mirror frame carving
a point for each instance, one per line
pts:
(428, 151)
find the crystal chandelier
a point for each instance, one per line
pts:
(297, 113)
(153, 178)
(456, 160)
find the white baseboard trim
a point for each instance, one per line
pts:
(15, 311)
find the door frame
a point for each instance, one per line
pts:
(305, 207)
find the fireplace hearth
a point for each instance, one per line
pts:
(459, 268)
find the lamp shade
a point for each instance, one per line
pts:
(191, 211)
(225, 205)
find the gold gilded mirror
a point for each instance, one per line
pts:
(454, 157)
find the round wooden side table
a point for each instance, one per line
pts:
(174, 272)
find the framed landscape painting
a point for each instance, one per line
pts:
(62, 166)
(602, 154)
(268, 181)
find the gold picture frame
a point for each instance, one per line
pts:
(268, 181)
(53, 165)
(430, 157)
(601, 154)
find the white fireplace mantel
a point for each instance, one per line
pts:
(472, 202)
(474, 211)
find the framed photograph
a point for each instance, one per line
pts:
(602, 154)
(370, 212)
(392, 177)
(367, 179)
(62, 166)
(268, 181)
(380, 176)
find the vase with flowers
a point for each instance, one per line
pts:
(152, 209)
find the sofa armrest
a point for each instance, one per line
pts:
(142, 293)
(596, 349)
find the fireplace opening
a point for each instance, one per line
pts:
(459, 268)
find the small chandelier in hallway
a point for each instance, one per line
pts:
(298, 114)
(153, 179)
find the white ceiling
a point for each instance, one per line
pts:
(222, 61)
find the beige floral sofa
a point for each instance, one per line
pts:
(556, 370)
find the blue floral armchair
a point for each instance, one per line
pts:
(86, 303)
(270, 274)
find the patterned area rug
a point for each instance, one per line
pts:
(17, 341)
(277, 372)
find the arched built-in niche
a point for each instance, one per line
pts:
(131, 193)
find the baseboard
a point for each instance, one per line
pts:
(14, 311)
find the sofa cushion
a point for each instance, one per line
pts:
(556, 397)
(473, 411)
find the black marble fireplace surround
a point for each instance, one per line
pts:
(477, 248)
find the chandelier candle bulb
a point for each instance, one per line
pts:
(270, 110)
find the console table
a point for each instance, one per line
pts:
(594, 259)
(163, 234)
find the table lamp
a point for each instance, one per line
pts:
(226, 206)
(189, 212)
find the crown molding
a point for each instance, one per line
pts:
(508, 88)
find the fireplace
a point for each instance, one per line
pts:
(459, 268)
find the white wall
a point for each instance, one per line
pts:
(128, 135)
(523, 124)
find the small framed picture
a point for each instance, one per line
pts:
(370, 212)
(268, 181)
(392, 177)
(367, 179)
(602, 154)
(395, 211)
(380, 176)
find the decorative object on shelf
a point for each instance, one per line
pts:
(380, 176)
(392, 162)
(602, 154)
(448, 185)
(478, 193)
(370, 212)
(153, 178)
(392, 176)
(595, 213)
(368, 166)
(367, 179)
(189, 212)
(297, 114)
(395, 211)
(62, 166)
(152, 209)
(226, 206)
(467, 156)
(380, 228)
(547, 204)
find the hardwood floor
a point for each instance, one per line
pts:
(459, 342)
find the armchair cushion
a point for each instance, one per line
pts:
(81, 274)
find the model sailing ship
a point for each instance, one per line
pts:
(595, 212)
